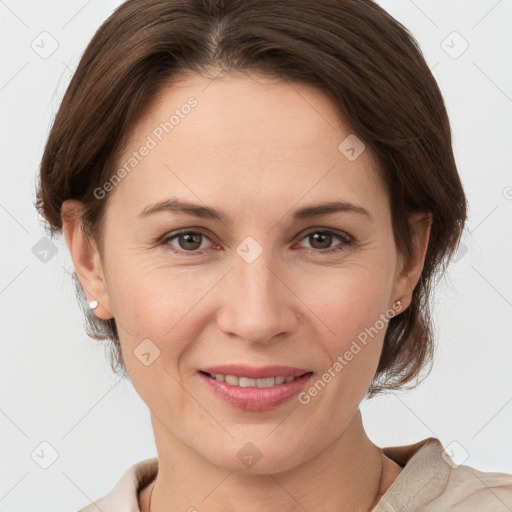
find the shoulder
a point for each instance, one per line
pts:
(468, 489)
(124, 494)
(431, 481)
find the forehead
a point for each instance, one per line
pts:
(264, 137)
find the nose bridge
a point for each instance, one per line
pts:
(258, 283)
(258, 306)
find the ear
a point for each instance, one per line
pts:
(86, 258)
(409, 272)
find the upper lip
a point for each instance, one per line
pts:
(253, 372)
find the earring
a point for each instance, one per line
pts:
(94, 304)
(397, 305)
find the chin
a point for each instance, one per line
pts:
(258, 458)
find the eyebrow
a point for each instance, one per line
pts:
(206, 212)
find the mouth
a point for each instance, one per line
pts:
(247, 382)
(253, 372)
(255, 389)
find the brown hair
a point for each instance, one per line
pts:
(368, 64)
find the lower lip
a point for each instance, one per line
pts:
(256, 399)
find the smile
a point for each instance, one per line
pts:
(255, 394)
(246, 382)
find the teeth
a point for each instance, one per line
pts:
(246, 382)
(231, 379)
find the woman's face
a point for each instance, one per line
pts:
(263, 281)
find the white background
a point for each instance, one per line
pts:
(56, 384)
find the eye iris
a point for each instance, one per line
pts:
(321, 237)
(190, 238)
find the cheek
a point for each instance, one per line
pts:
(351, 304)
(156, 328)
(349, 299)
(161, 304)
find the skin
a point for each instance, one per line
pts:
(258, 149)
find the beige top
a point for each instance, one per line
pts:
(428, 482)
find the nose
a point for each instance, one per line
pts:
(258, 305)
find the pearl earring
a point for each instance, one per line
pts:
(397, 305)
(94, 304)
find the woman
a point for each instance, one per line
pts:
(258, 197)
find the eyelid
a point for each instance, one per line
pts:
(346, 239)
(165, 240)
(319, 229)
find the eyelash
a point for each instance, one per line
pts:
(346, 240)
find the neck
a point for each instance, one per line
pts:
(350, 475)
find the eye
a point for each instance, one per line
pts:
(321, 240)
(195, 242)
(187, 241)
